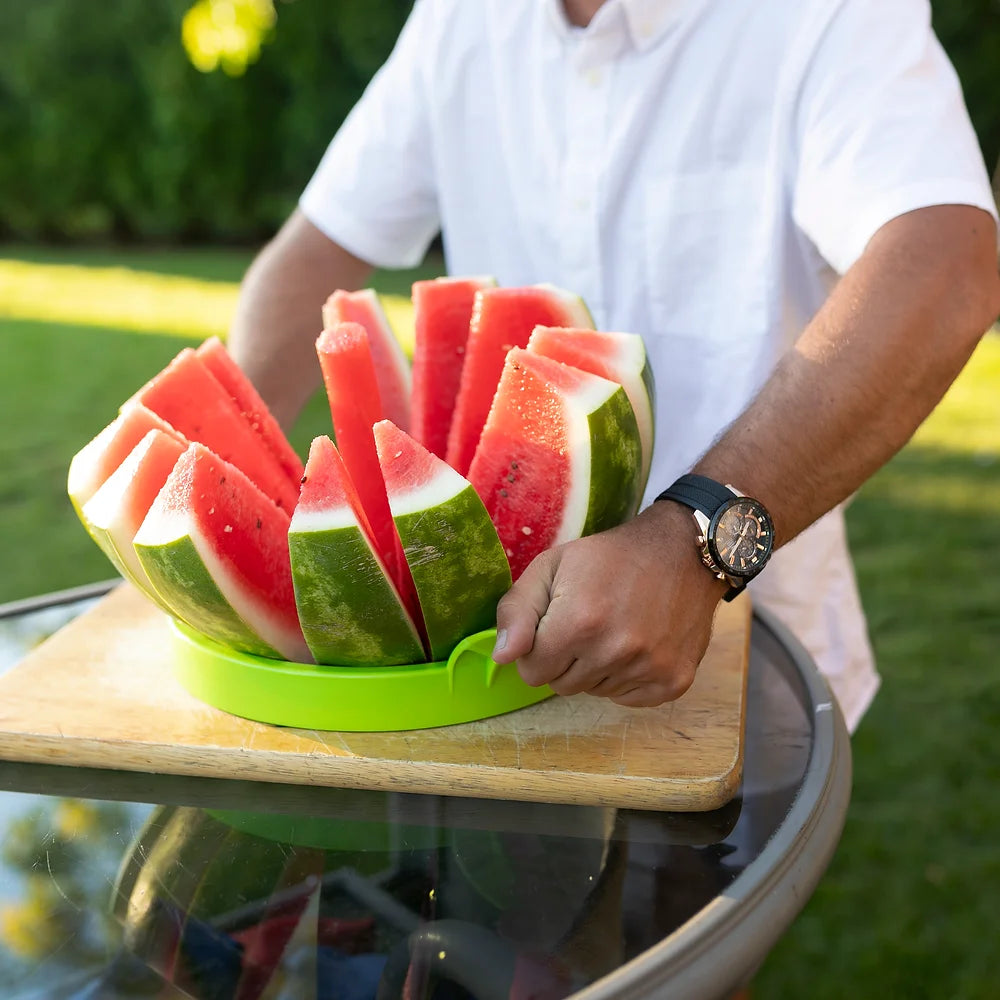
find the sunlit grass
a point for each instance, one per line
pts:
(137, 301)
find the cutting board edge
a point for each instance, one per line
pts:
(422, 778)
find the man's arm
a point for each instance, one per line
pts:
(278, 315)
(628, 613)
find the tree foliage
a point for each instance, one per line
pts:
(108, 130)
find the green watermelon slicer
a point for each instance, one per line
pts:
(464, 688)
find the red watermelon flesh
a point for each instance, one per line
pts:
(96, 461)
(559, 456)
(219, 362)
(187, 395)
(392, 370)
(216, 549)
(502, 318)
(355, 407)
(442, 310)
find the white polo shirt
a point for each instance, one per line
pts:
(700, 171)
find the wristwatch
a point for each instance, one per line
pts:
(735, 532)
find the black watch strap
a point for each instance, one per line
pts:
(706, 495)
(698, 492)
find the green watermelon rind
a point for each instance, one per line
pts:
(458, 567)
(615, 463)
(350, 613)
(649, 383)
(181, 578)
(105, 542)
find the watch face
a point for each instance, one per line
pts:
(741, 537)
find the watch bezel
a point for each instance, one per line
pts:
(710, 536)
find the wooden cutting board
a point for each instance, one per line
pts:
(101, 693)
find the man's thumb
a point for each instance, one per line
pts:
(521, 609)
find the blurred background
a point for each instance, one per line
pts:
(149, 147)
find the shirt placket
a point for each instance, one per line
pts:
(587, 105)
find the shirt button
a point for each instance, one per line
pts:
(647, 29)
(581, 204)
(595, 78)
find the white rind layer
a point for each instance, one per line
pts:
(257, 615)
(324, 519)
(103, 510)
(162, 527)
(591, 395)
(444, 485)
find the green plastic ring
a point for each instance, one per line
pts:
(465, 687)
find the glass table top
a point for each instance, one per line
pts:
(127, 885)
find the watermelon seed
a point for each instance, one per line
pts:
(510, 552)
(398, 453)
(302, 481)
(526, 530)
(228, 528)
(513, 465)
(211, 510)
(510, 477)
(258, 524)
(503, 493)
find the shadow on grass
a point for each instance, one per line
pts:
(906, 907)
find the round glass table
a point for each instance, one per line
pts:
(128, 885)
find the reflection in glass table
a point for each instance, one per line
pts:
(127, 885)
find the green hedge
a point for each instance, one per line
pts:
(107, 131)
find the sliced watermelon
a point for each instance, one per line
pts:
(392, 370)
(559, 457)
(442, 310)
(94, 462)
(116, 511)
(216, 550)
(350, 610)
(219, 362)
(620, 357)
(189, 397)
(458, 565)
(502, 318)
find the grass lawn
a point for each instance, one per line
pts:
(906, 909)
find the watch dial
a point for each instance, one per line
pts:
(743, 537)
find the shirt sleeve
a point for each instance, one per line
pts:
(374, 190)
(883, 128)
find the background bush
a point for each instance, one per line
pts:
(108, 132)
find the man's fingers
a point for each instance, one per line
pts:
(522, 608)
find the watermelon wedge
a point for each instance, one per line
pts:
(442, 310)
(219, 362)
(116, 511)
(94, 462)
(392, 370)
(350, 610)
(189, 397)
(559, 457)
(458, 565)
(620, 357)
(216, 550)
(355, 407)
(502, 318)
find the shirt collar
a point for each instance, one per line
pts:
(644, 21)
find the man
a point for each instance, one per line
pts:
(786, 200)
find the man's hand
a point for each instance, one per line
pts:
(626, 614)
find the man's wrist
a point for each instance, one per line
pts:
(673, 527)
